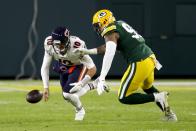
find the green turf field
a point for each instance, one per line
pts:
(103, 113)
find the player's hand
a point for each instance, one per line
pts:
(102, 86)
(82, 51)
(46, 94)
(77, 86)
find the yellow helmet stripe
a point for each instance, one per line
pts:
(107, 29)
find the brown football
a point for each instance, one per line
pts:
(34, 96)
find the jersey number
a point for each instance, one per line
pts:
(76, 44)
(66, 62)
(129, 29)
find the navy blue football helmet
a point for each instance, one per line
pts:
(61, 39)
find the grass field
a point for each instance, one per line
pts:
(103, 113)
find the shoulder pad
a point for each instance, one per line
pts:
(47, 40)
(47, 45)
(76, 42)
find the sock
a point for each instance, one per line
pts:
(73, 99)
(137, 98)
(152, 90)
(83, 90)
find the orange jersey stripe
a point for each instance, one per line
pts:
(83, 72)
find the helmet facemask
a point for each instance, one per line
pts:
(59, 47)
(97, 28)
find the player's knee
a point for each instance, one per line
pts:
(151, 90)
(122, 100)
(147, 84)
(66, 96)
(70, 97)
(131, 99)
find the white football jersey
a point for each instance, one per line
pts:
(69, 58)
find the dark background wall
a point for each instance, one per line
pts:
(167, 25)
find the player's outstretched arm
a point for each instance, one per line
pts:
(101, 49)
(93, 51)
(45, 74)
(111, 44)
(110, 49)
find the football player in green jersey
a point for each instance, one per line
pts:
(141, 60)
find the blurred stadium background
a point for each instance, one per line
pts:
(167, 26)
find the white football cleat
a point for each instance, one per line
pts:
(79, 116)
(170, 115)
(161, 98)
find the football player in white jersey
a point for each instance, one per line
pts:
(75, 70)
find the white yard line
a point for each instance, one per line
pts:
(194, 114)
(161, 83)
(4, 89)
(175, 83)
(10, 84)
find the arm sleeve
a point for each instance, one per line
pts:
(45, 69)
(87, 61)
(107, 59)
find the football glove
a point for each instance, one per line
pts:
(101, 87)
(84, 51)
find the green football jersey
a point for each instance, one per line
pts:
(130, 43)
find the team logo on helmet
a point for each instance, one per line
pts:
(102, 19)
(102, 14)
